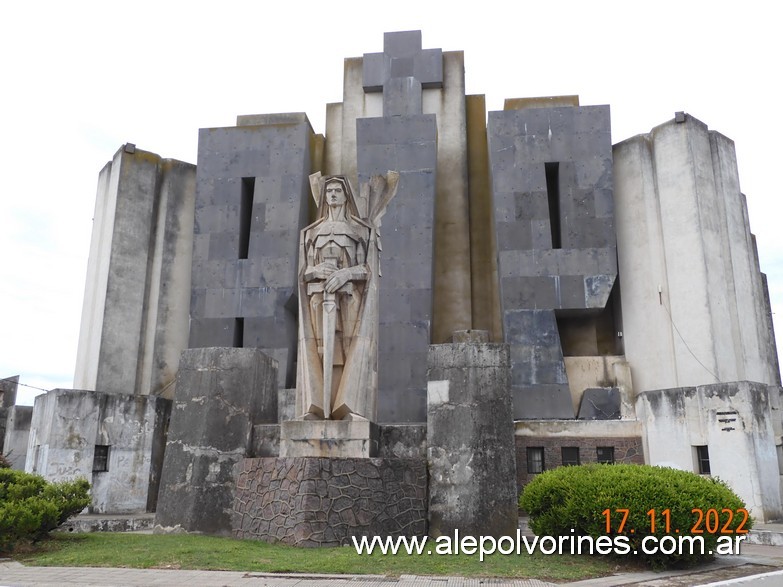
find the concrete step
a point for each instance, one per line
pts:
(109, 523)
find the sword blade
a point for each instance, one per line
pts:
(329, 324)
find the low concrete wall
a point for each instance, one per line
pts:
(311, 501)
(68, 424)
(735, 421)
(222, 393)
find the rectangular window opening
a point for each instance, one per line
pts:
(605, 454)
(535, 460)
(239, 333)
(569, 455)
(100, 461)
(552, 171)
(703, 460)
(246, 215)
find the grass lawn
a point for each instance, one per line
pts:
(189, 551)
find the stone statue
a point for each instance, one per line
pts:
(338, 300)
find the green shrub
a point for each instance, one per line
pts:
(577, 501)
(30, 507)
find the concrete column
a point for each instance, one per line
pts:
(135, 315)
(692, 298)
(452, 264)
(485, 297)
(470, 441)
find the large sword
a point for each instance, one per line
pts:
(329, 326)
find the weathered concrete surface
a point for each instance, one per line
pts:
(323, 502)
(470, 441)
(8, 387)
(693, 306)
(402, 441)
(221, 394)
(84, 523)
(266, 441)
(329, 438)
(735, 421)
(135, 315)
(395, 441)
(601, 371)
(17, 435)
(286, 404)
(485, 296)
(67, 425)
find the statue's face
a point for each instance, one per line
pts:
(335, 194)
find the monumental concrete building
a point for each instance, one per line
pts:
(545, 298)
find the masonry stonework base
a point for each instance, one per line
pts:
(324, 502)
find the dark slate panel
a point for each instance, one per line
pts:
(600, 403)
(276, 155)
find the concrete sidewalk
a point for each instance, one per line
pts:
(758, 561)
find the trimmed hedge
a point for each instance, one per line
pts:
(577, 498)
(30, 507)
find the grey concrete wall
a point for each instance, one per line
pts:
(735, 422)
(17, 435)
(539, 275)
(66, 426)
(693, 298)
(470, 441)
(135, 313)
(272, 152)
(221, 394)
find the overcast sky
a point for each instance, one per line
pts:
(79, 79)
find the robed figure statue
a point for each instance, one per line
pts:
(339, 268)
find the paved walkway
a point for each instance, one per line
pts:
(762, 562)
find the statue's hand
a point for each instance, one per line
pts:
(337, 279)
(324, 270)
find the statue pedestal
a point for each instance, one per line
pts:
(328, 438)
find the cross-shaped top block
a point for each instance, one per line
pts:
(401, 71)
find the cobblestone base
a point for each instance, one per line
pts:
(311, 501)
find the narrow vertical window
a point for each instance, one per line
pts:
(703, 460)
(552, 171)
(239, 333)
(246, 215)
(535, 459)
(569, 455)
(100, 460)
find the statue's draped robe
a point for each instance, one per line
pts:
(355, 356)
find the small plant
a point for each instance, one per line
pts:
(4, 462)
(30, 507)
(633, 502)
